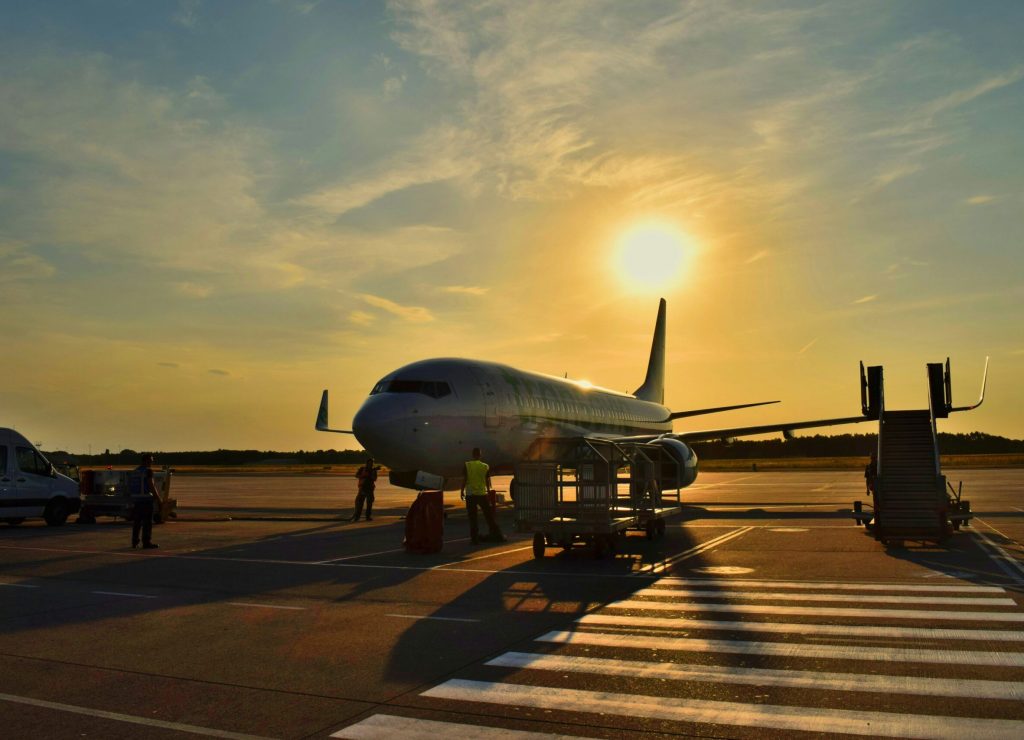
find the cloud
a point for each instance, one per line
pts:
(17, 264)
(168, 364)
(194, 290)
(414, 314)
(222, 373)
(188, 13)
(759, 255)
(979, 200)
(807, 346)
(865, 299)
(465, 289)
(361, 318)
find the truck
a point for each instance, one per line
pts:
(30, 485)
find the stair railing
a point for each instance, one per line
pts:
(935, 431)
(881, 422)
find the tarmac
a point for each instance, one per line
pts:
(764, 612)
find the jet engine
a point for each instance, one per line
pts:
(684, 472)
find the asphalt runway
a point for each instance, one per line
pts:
(763, 612)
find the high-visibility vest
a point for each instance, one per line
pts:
(476, 477)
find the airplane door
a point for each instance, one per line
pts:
(492, 417)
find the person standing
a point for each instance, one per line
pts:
(144, 496)
(475, 488)
(367, 475)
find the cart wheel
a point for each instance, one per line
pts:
(650, 529)
(660, 528)
(538, 545)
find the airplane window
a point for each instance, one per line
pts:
(432, 388)
(379, 388)
(3, 461)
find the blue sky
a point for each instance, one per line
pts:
(209, 211)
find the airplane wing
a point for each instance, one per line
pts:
(717, 409)
(707, 435)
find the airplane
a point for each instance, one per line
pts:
(422, 419)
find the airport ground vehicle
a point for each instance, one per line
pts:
(109, 493)
(30, 486)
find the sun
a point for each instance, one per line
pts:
(652, 256)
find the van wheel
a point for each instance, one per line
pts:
(15, 521)
(56, 512)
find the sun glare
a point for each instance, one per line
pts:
(652, 256)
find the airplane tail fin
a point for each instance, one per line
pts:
(653, 388)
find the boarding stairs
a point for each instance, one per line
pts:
(910, 498)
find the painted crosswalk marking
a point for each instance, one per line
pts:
(788, 649)
(861, 598)
(972, 689)
(800, 628)
(669, 583)
(407, 728)
(637, 644)
(821, 611)
(810, 719)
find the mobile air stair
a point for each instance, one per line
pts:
(911, 498)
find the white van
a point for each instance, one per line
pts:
(30, 486)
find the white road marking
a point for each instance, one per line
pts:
(19, 585)
(865, 598)
(389, 726)
(820, 611)
(1006, 562)
(117, 717)
(669, 581)
(483, 557)
(800, 628)
(438, 619)
(118, 593)
(266, 606)
(807, 719)
(788, 650)
(697, 550)
(966, 688)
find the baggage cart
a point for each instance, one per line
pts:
(570, 490)
(109, 493)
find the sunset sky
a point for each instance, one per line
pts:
(211, 211)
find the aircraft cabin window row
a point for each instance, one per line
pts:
(432, 388)
(3, 461)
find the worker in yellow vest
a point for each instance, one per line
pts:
(474, 492)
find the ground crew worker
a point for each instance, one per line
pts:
(144, 496)
(870, 473)
(367, 475)
(475, 489)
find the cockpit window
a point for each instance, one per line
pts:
(432, 388)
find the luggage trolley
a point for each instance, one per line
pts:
(568, 490)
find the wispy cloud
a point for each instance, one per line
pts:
(757, 256)
(194, 290)
(807, 346)
(188, 13)
(168, 364)
(17, 263)
(865, 299)
(979, 200)
(466, 289)
(414, 314)
(221, 373)
(361, 318)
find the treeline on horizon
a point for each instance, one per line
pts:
(840, 445)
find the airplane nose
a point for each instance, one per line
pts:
(374, 425)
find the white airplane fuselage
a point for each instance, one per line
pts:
(430, 415)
